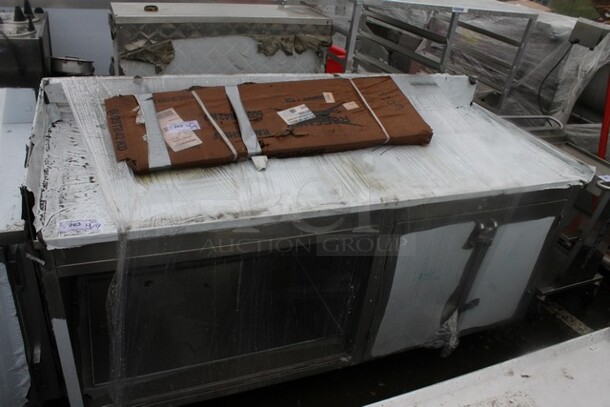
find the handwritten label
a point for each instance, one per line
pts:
(73, 227)
(350, 105)
(176, 132)
(328, 97)
(459, 10)
(296, 114)
(184, 126)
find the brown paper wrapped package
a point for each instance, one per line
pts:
(342, 121)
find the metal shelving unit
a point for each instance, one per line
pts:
(374, 11)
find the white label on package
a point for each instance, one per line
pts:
(176, 133)
(605, 178)
(296, 114)
(350, 105)
(459, 10)
(72, 227)
(328, 97)
(183, 126)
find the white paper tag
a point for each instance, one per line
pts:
(605, 178)
(459, 10)
(176, 133)
(296, 114)
(71, 227)
(350, 105)
(328, 97)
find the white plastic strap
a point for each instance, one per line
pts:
(158, 156)
(245, 128)
(248, 135)
(387, 135)
(216, 126)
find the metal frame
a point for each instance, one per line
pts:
(362, 13)
(66, 265)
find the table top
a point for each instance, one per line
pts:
(473, 154)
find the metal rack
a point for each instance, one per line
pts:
(373, 11)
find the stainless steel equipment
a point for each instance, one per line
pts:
(71, 66)
(183, 38)
(209, 281)
(25, 50)
(393, 17)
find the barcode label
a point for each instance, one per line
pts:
(296, 114)
(177, 133)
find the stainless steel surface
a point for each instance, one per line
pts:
(216, 38)
(17, 108)
(134, 13)
(71, 66)
(105, 4)
(480, 7)
(24, 54)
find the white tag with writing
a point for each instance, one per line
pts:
(328, 97)
(296, 114)
(350, 105)
(72, 227)
(179, 127)
(459, 10)
(177, 133)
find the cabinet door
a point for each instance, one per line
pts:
(429, 266)
(504, 273)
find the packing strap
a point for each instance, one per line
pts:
(363, 99)
(158, 156)
(216, 126)
(248, 135)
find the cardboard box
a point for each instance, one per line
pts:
(289, 118)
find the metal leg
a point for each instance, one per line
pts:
(516, 61)
(453, 23)
(350, 44)
(59, 324)
(586, 231)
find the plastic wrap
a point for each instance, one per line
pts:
(585, 136)
(488, 59)
(215, 194)
(183, 318)
(14, 372)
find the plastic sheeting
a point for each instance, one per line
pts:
(464, 160)
(14, 372)
(489, 59)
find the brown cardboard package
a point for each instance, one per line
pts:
(334, 118)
